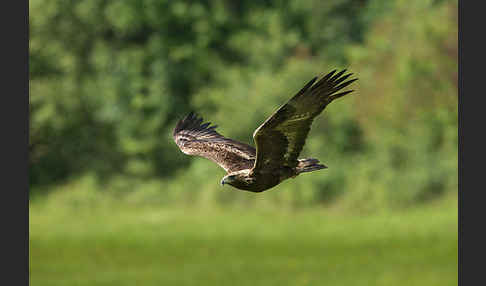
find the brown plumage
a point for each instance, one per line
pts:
(279, 140)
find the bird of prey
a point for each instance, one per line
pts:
(279, 140)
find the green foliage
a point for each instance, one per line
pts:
(109, 79)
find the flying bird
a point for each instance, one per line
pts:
(279, 140)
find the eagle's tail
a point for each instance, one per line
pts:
(309, 165)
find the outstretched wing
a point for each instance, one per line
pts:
(280, 139)
(195, 138)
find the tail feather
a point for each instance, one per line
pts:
(309, 165)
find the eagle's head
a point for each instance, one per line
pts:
(240, 180)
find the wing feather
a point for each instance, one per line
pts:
(280, 139)
(194, 138)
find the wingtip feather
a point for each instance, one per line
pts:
(194, 123)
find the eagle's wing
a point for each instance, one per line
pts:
(194, 138)
(279, 140)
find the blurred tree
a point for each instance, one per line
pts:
(109, 79)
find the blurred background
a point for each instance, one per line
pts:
(114, 202)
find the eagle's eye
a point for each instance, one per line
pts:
(228, 179)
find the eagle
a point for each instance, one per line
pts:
(279, 140)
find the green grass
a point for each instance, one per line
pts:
(130, 245)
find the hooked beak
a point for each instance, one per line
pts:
(227, 180)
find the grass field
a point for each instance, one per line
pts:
(130, 245)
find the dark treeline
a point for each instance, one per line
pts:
(109, 79)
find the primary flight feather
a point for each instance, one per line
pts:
(279, 140)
